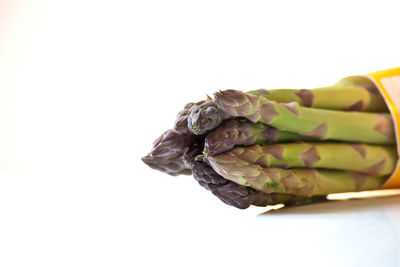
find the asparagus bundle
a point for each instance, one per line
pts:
(282, 146)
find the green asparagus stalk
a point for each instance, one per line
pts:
(376, 160)
(348, 98)
(242, 132)
(319, 123)
(298, 181)
(377, 102)
(345, 95)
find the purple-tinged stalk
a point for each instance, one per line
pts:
(240, 196)
(297, 181)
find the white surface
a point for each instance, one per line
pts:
(86, 86)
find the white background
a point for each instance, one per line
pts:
(85, 88)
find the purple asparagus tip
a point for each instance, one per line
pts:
(205, 117)
(167, 152)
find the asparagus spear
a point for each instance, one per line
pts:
(376, 160)
(319, 123)
(243, 132)
(297, 181)
(348, 98)
(343, 96)
(237, 195)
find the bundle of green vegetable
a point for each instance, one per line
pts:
(282, 146)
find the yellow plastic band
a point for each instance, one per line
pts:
(388, 83)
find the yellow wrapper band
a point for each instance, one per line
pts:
(388, 83)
